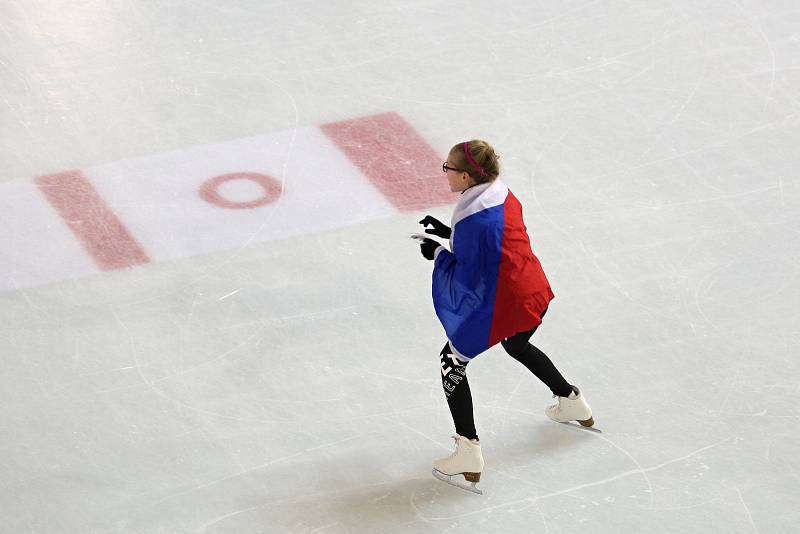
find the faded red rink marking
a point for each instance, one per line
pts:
(92, 221)
(395, 158)
(215, 197)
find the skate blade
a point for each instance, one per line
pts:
(453, 481)
(573, 424)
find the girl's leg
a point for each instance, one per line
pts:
(537, 362)
(456, 389)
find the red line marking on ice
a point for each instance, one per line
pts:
(209, 191)
(395, 158)
(92, 220)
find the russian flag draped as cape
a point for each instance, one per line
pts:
(491, 286)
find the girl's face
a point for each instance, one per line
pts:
(458, 181)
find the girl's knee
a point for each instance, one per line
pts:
(514, 348)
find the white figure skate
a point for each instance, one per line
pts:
(572, 408)
(467, 460)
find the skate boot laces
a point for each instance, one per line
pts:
(455, 452)
(557, 406)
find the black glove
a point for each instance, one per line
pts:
(439, 228)
(428, 247)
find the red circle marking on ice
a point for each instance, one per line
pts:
(209, 191)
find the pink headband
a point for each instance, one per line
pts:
(472, 161)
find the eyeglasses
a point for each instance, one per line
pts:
(446, 167)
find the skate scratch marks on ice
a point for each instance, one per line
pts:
(746, 509)
(232, 293)
(254, 337)
(533, 500)
(256, 468)
(226, 516)
(415, 431)
(152, 384)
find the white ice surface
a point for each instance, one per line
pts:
(291, 386)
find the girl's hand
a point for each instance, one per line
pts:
(428, 248)
(439, 228)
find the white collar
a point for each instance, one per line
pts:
(479, 198)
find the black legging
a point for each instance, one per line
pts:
(456, 387)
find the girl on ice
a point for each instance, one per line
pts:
(488, 288)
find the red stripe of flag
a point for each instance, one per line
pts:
(395, 158)
(92, 220)
(523, 291)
